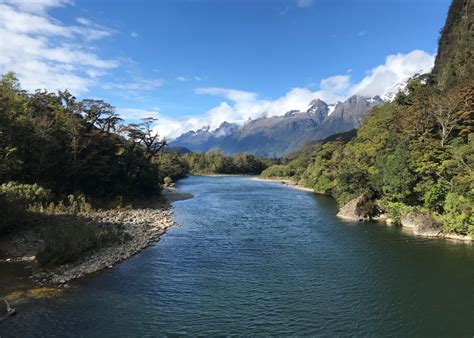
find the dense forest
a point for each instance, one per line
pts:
(415, 153)
(213, 162)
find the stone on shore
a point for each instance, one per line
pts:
(421, 224)
(358, 209)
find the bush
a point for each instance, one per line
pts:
(395, 210)
(458, 217)
(69, 238)
(25, 194)
(16, 199)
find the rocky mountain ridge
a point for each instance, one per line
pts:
(279, 135)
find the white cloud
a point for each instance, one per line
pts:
(304, 3)
(134, 114)
(187, 78)
(231, 94)
(240, 106)
(46, 54)
(396, 70)
(140, 84)
(36, 6)
(334, 88)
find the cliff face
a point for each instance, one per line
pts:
(455, 59)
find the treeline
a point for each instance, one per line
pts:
(414, 153)
(71, 146)
(57, 152)
(176, 166)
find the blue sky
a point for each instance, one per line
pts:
(197, 62)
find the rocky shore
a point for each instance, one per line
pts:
(361, 209)
(143, 227)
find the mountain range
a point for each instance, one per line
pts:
(277, 136)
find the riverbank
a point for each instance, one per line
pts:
(362, 208)
(141, 227)
(288, 183)
(353, 215)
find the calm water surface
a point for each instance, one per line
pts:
(258, 258)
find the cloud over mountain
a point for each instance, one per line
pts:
(240, 106)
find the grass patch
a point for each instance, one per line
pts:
(68, 238)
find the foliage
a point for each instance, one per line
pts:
(416, 152)
(68, 239)
(218, 163)
(74, 147)
(25, 194)
(66, 153)
(171, 165)
(16, 199)
(459, 215)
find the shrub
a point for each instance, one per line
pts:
(16, 199)
(73, 204)
(69, 238)
(458, 215)
(395, 210)
(25, 194)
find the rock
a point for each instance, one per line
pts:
(359, 209)
(421, 224)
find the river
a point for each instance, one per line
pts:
(258, 258)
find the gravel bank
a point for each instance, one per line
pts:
(144, 226)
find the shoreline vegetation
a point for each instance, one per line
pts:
(410, 222)
(411, 161)
(139, 227)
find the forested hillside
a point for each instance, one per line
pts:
(415, 153)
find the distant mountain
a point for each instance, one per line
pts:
(279, 135)
(347, 115)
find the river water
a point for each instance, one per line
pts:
(258, 258)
